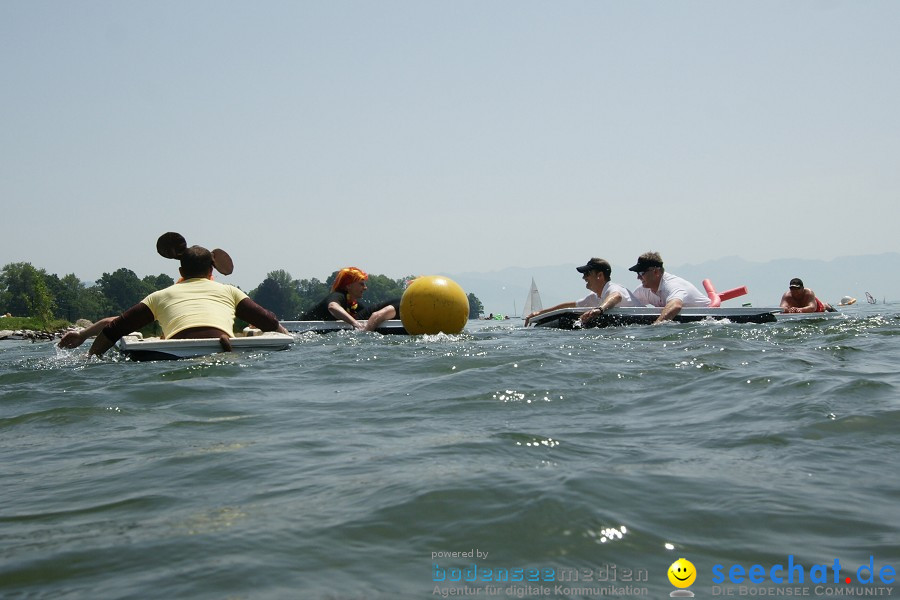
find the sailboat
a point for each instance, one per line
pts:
(870, 299)
(533, 301)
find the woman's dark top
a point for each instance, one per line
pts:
(320, 311)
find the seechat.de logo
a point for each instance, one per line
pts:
(794, 572)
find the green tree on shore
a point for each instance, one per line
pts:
(475, 306)
(24, 292)
(122, 288)
(311, 291)
(74, 300)
(156, 282)
(382, 289)
(278, 293)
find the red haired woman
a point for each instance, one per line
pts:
(342, 304)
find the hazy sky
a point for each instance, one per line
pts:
(412, 137)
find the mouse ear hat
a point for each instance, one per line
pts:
(173, 245)
(222, 262)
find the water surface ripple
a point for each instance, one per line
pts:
(335, 469)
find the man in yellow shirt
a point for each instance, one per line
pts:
(195, 307)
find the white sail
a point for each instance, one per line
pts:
(533, 301)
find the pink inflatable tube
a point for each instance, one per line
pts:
(716, 299)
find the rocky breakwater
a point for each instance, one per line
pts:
(27, 334)
(35, 335)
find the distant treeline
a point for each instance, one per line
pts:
(26, 291)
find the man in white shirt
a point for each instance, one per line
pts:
(604, 293)
(644, 297)
(673, 291)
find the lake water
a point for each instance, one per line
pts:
(355, 465)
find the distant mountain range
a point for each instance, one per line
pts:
(505, 291)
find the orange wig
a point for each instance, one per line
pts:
(346, 276)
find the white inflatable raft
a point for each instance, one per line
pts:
(137, 347)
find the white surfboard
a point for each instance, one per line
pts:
(138, 347)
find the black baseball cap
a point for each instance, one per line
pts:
(645, 263)
(595, 264)
(796, 282)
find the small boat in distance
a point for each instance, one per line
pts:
(870, 299)
(533, 301)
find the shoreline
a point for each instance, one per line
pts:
(34, 335)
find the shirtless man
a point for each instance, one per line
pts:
(799, 299)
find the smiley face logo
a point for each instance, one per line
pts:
(682, 573)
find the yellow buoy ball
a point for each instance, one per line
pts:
(434, 304)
